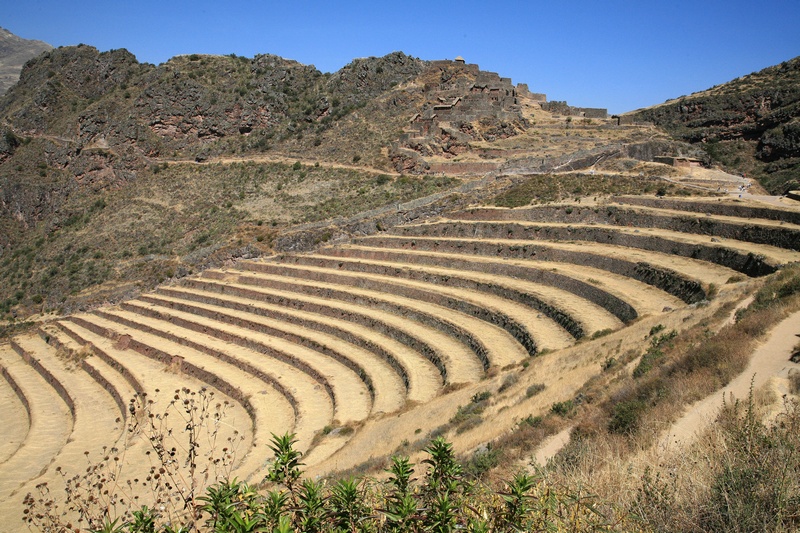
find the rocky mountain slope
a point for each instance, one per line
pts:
(751, 124)
(14, 53)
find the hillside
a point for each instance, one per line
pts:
(14, 53)
(748, 125)
(116, 175)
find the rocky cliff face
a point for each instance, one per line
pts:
(750, 124)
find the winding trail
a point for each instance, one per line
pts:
(770, 359)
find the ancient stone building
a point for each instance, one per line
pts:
(463, 93)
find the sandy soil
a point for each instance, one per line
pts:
(551, 445)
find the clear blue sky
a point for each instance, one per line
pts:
(617, 54)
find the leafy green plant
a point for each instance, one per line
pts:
(285, 469)
(563, 409)
(348, 508)
(444, 472)
(517, 501)
(401, 509)
(310, 514)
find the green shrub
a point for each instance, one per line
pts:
(625, 417)
(563, 409)
(534, 389)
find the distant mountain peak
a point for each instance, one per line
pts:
(14, 53)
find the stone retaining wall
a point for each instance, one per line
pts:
(413, 342)
(17, 390)
(316, 326)
(210, 379)
(475, 345)
(714, 208)
(252, 325)
(778, 236)
(455, 168)
(687, 290)
(498, 318)
(92, 371)
(617, 307)
(208, 351)
(749, 264)
(48, 377)
(225, 336)
(99, 352)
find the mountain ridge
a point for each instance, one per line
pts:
(748, 125)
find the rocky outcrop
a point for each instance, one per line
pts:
(749, 123)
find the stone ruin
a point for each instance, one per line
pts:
(462, 103)
(463, 93)
(562, 108)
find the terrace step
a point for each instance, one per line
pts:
(624, 297)
(456, 362)
(750, 259)
(297, 388)
(50, 427)
(311, 402)
(60, 333)
(101, 371)
(716, 207)
(420, 376)
(267, 411)
(155, 378)
(91, 404)
(386, 386)
(508, 316)
(678, 276)
(348, 393)
(511, 297)
(474, 334)
(775, 233)
(16, 419)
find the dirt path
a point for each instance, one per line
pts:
(770, 360)
(551, 446)
(287, 160)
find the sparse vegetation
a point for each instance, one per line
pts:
(443, 499)
(545, 188)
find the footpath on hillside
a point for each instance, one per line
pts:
(769, 360)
